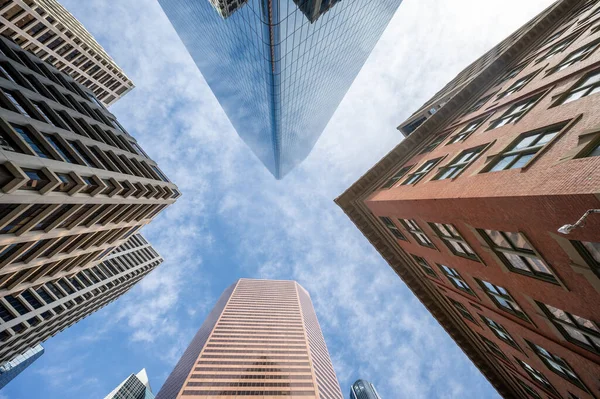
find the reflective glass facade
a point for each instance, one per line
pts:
(362, 389)
(9, 370)
(279, 68)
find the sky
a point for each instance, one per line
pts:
(235, 220)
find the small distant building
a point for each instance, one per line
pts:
(136, 386)
(11, 369)
(363, 389)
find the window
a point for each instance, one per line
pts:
(414, 178)
(520, 153)
(433, 144)
(414, 229)
(45, 116)
(424, 265)
(37, 180)
(16, 103)
(517, 254)
(500, 331)
(590, 251)
(594, 151)
(465, 132)
(536, 376)
(6, 74)
(577, 56)
(57, 145)
(557, 364)
(589, 85)
(557, 48)
(480, 103)
(493, 348)
(529, 390)
(453, 240)
(518, 85)
(399, 175)
(392, 227)
(512, 73)
(462, 310)
(458, 164)
(79, 150)
(456, 280)
(502, 299)
(32, 141)
(575, 329)
(515, 112)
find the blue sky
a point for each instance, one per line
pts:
(235, 220)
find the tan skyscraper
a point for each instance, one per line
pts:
(47, 30)
(262, 338)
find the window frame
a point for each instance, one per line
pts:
(501, 252)
(535, 150)
(467, 131)
(515, 117)
(515, 309)
(493, 348)
(536, 376)
(495, 327)
(417, 233)
(434, 143)
(389, 224)
(574, 324)
(424, 265)
(575, 87)
(399, 175)
(458, 239)
(462, 310)
(459, 167)
(452, 275)
(518, 85)
(584, 252)
(562, 363)
(420, 172)
(562, 65)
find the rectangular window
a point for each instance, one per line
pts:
(465, 131)
(521, 152)
(590, 251)
(536, 376)
(414, 229)
(433, 144)
(480, 103)
(392, 227)
(37, 180)
(517, 254)
(557, 365)
(577, 56)
(399, 175)
(415, 177)
(33, 142)
(589, 85)
(511, 73)
(458, 164)
(556, 49)
(462, 310)
(502, 299)
(515, 112)
(79, 150)
(493, 348)
(453, 240)
(16, 103)
(456, 279)
(500, 331)
(424, 265)
(575, 329)
(518, 85)
(529, 390)
(57, 145)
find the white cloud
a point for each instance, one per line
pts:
(374, 326)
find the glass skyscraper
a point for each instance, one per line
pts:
(280, 68)
(136, 386)
(363, 389)
(9, 370)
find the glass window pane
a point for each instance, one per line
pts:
(516, 262)
(593, 248)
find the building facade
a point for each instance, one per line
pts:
(31, 315)
(74, 185)
(136, 386)
(280, 69)
(362, 389)
(262, 338)
(49, 31)
(10, 370)
(466, 210)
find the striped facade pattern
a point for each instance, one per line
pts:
(266, 342)
(49, 31)
(35, 314)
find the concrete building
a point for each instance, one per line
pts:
(262, 338)
(49, 31)
(280, 84)
(467, 209)
(362, 389)
(74, 185)
(136, 386)
(31, 315)
(11, 369)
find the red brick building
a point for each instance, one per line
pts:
(467, 208)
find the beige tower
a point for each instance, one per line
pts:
(262, 338)
(47, 30)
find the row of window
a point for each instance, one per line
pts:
(251, 384)
(192, 392)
